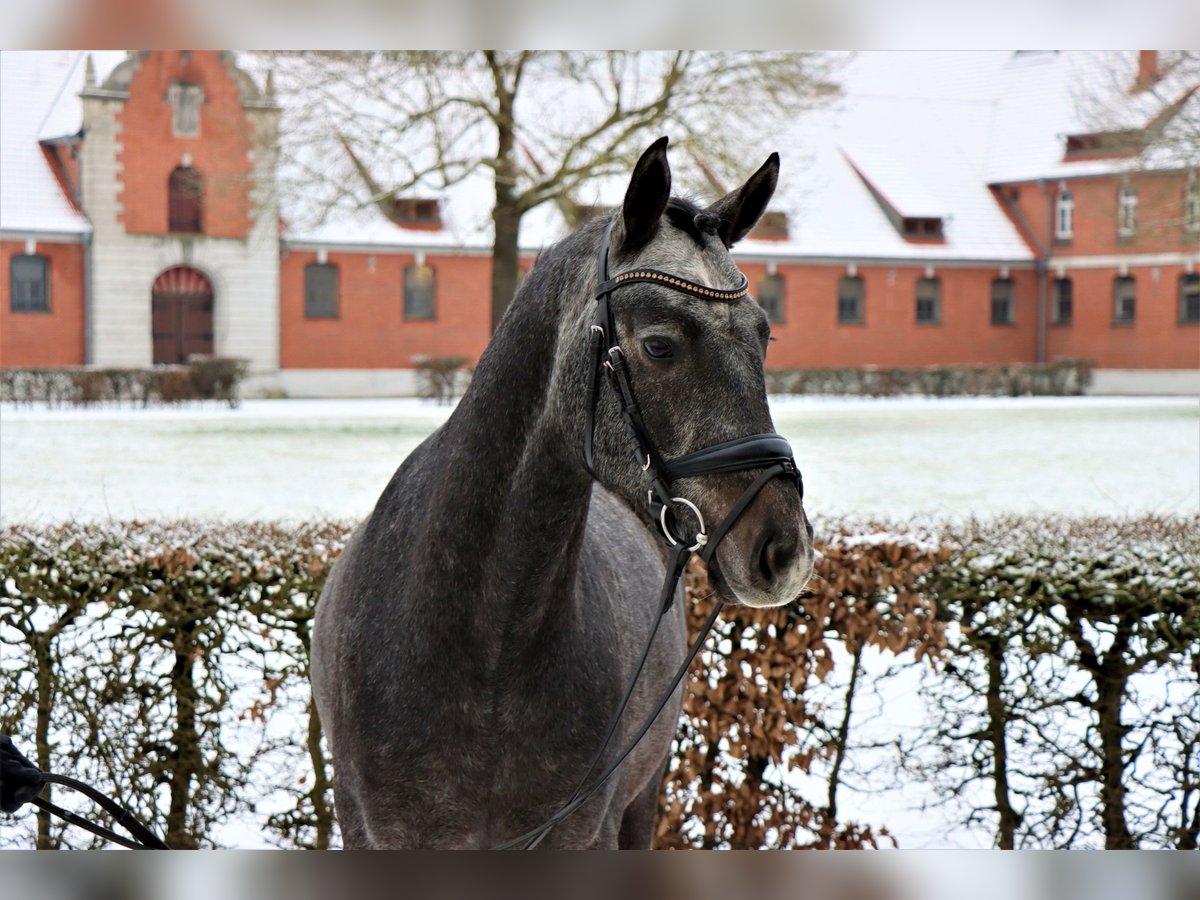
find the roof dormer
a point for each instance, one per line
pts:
(916, 214)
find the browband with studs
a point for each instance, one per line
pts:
(676, 283)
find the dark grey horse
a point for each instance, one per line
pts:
(480, 627)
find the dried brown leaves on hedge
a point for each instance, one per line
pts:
(747, 723)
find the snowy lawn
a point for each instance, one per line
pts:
(302, 459)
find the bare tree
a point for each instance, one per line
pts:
(369, 128)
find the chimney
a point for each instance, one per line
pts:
(1147, 72)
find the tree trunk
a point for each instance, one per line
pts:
(186, 762)
(506, 219)
(842, 741)
(506, 214)
(999, 740)
(45, 695)
(322, 812)
(1110, 687)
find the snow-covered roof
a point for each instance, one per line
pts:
(923, 134)
(916, 129)
(39, 101)
(1046, 97)
(30, 197)
(930, 131)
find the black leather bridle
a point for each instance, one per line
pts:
(769, 452)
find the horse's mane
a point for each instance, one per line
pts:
(688, 216)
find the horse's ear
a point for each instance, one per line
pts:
(647, 195)
(739, 210)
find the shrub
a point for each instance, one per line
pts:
(441, 378)
(203, 378)
(168, 665)
(1066, 377)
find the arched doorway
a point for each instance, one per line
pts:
(182, 321)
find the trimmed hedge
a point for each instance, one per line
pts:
(210, 378)
(1064, 378)
(168, 665)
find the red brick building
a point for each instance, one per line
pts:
(948, 209)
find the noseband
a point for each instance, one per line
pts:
(769, 452)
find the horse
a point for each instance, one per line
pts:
(477, 631)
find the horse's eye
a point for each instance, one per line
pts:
(658, 348)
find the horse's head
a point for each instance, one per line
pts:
(695, 367)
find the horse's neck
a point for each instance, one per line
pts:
(511, 496)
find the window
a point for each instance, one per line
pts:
(850, 300)
(1124, 300)
(415, 211)
(419, 292)
(1189, 299)
(922, 228)
(1063, 303)
(1064, 216)
(929, 301)
(1126, 213)
(29, 283)
(770, 297)
(185, 100)
(185, 201)
(1002, 302)
(320, 291)
(1191, 205)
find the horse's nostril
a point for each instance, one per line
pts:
(765, 554)
(776, 553)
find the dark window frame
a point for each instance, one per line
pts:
(185, 201)
(773, 299)
(1119, 296)
(1189, 295)
(935, 286)
(18, 302)
(1010, 302)
(416, 307)
(320, 301)
(851, 304)
(1057, 317)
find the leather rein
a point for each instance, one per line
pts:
(769, 452)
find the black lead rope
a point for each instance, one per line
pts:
(22, 782)
(769, 452)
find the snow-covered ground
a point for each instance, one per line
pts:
(303, 459)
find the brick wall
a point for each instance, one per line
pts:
(370, 330)
(1154, 340)
(1156, 256)
(1159, 214)
(811, 337)
(55, 338)
(149, 150)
